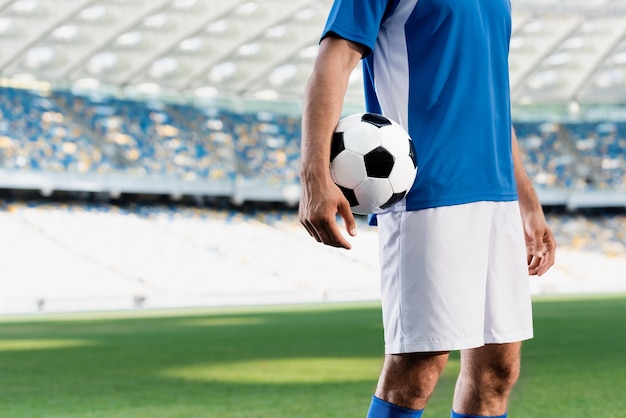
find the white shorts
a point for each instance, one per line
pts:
(454, 277)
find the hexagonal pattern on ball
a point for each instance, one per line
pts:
(361, 138)
(395, 139)
(352, 170)
(368, 192)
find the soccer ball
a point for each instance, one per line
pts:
(372, 161)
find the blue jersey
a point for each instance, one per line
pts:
(440, 69)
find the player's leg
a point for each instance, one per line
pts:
(433, 273)
(489, 373)
(486, 379)
(407, 381)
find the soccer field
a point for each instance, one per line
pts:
(290, 361)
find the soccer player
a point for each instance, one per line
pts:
(457, 251)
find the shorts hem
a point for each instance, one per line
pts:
(508, 338)
(433, 346)
(430, 346)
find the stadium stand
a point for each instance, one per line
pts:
(145, 138)
(547, 159)
(602, 148)
(99, 134)
(102, 134)
(35, 134)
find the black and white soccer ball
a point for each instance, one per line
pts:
(372, 161)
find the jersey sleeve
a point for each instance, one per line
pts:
(356, 21)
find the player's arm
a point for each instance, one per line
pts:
(323, 103)
(540, 243)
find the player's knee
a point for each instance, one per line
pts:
(500, 378)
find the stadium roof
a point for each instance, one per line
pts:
(561, 51)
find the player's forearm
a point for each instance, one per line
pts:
(323, 103)
(322, 109)
(528, 200)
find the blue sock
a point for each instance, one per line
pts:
(455, 415)
(383, 409)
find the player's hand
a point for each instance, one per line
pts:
(319, 206)
(540, 244)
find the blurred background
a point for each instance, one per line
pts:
(149, 152)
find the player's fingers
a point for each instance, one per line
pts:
(540, 265)
(331, 236)
(335, 239)
(348, 218)
(549, 256)
(533, 265)
(531, 260)
(546, 262)
(535, 251)
(304, 221)
(537, 245)
(543, 254)
(311, 230)
(328, 232)
(536, 256)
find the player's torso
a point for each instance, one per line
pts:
(440, 67)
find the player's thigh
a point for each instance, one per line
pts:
(433, 271)
(508, 316)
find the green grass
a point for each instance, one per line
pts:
(307, 361)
